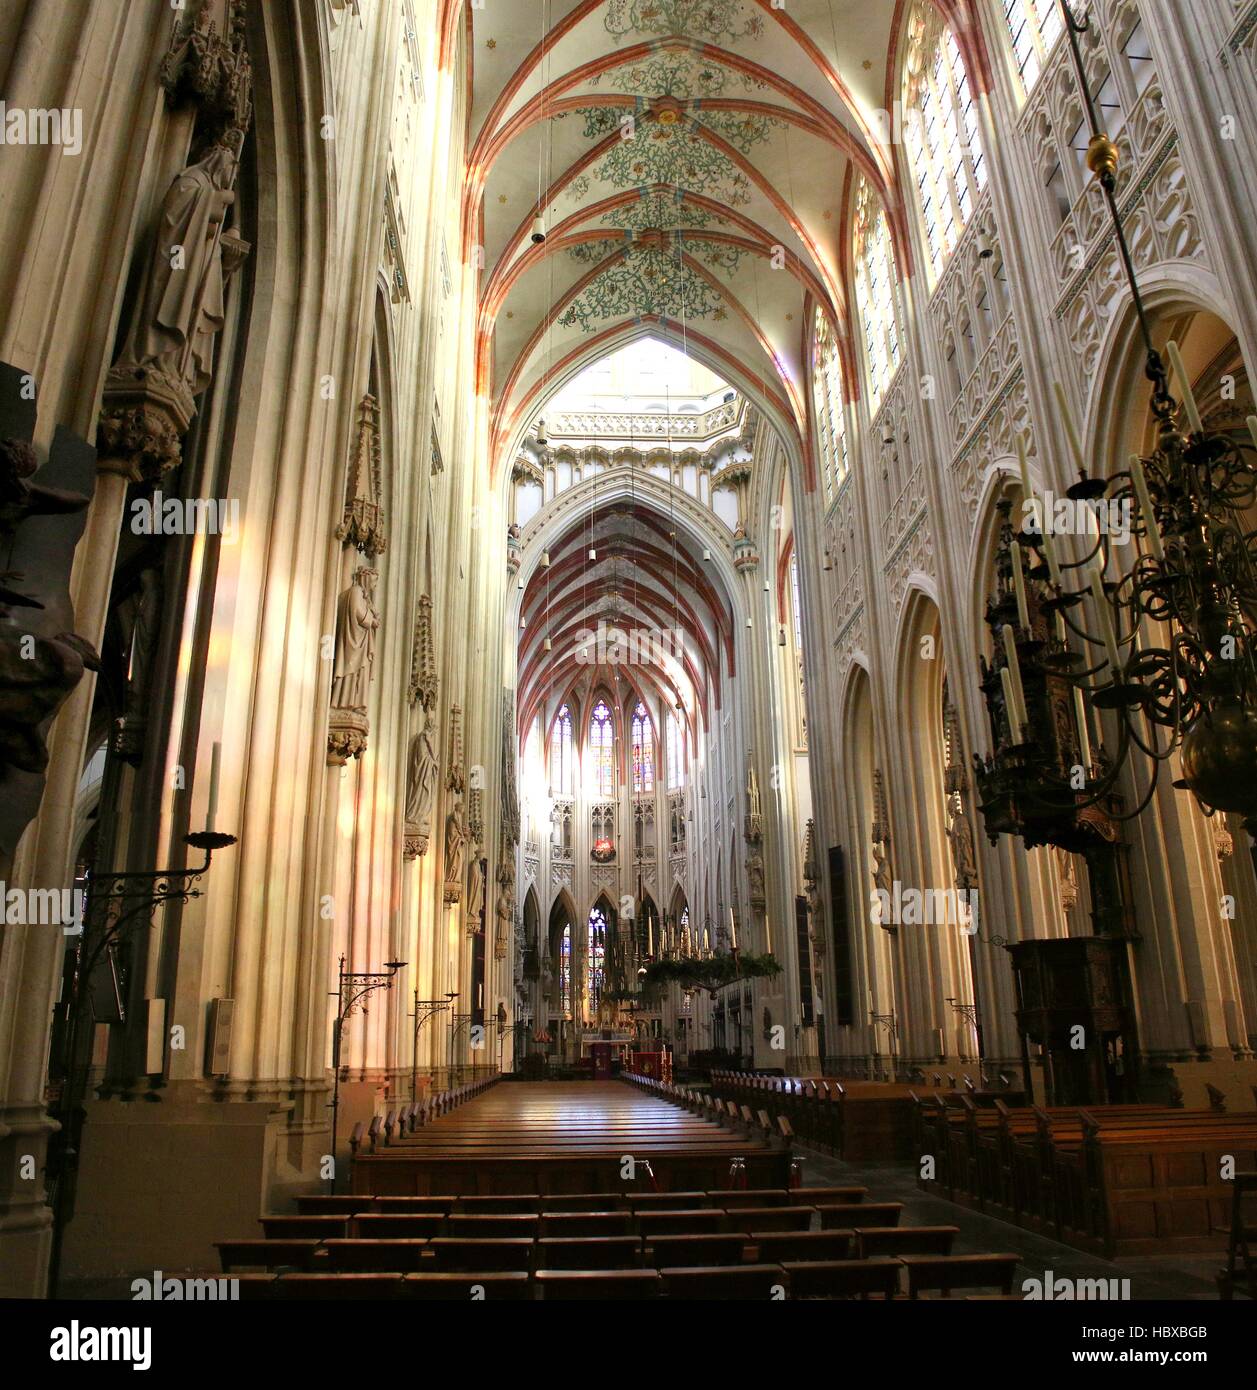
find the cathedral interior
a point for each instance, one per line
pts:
(628, 650)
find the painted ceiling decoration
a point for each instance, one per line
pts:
(693, 163)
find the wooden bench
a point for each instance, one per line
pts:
(265, 1253)
(944, 1273)
(843, 1278)
(748, 1282)
(505, 1253)
(476, 1227)
(340, 1287)
(304, 1227)
(843, 1216)
(750, 1197)
(373, 1256)
(587, 1223)
(589, 1252)
(651, 1223)
(484, 1286)
(609, 1285)
(769, 1218)
(894, 1241)
(373, 1225)
(691, 1251)
(776, 1247)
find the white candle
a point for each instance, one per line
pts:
(733, 931)
(212, 809)
(1015, 722)
(1019, 588)
(650, 937)
(1184, 387)
(1075, 447)
(1145, 506)
(1023, 467)
(1049, 554)
(1084, 736)
(1013, 671)
(1106, 618)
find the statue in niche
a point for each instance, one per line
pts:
(960, 834)
(882, 874)
(356, 622)
(180, 311)
(475, 898)
(422, 778)
(455, 844)
(755, 873)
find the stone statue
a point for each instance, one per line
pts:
(455, 844)
(475, 897)
(960, 834)
(180, 311)
(882, 877)
(422, 778)
(755, 873)
(356, 622)
(36, 675)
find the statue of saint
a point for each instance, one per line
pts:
(180, 311)
(475, 896)
(455, 843)
(422, 777)
(356, 622)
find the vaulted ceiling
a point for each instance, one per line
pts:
(691, 161)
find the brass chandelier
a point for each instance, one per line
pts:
(1172, 655)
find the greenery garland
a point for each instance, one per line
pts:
(713, 973)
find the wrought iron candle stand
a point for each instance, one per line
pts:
(424, 1010)
(353, 988)
(116, 903)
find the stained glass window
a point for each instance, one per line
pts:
(1033, 27)
(561, 753)
(565, 971)
(596, 957)
(875, 291)
(602, 750)
(827, 400)
(676, 754)
(941, 134)
(643, 750)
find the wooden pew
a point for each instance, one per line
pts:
(599, 1285)
(944, 1273)
(589, 1252)
(715, 1282)
(843, 1278)
(455, 1285)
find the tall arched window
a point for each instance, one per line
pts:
(875, 291)
(1033, 27)
(561, 753)
(827, 399)
(676, 754)
(941, 135)
(595, 959)
(602, 750)
(643, 750)
(565, 970)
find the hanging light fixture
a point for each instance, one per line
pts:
(538, 229)
(1195, 576)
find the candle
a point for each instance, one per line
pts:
(650, 937)
(1184, 388)
(1049, 554)
(1013, 672)
(1015, 722)
(733, 931)
(1084, 735)
(1023, 467)
(1019, 588)
(1106, 618)
(1063, 405)
(1145, 506)
(1252, 429)
(212, 809)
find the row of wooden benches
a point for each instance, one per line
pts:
(851, 1118)
(1118, 1180)
(911, 1276)
(760, 1124)
(628, 1251)
(627, 1199)
(384, 1129)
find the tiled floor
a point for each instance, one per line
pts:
(1153, 1277)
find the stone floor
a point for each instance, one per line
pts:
(1161, 1277)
